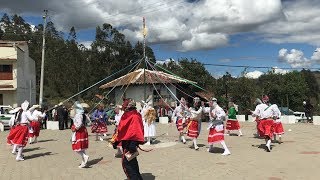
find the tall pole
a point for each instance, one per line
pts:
(42, 60)
(145, 58)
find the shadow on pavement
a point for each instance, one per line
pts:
(39, 155)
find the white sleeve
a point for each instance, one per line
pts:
(206, 109)
(11, 121)
(30, 117)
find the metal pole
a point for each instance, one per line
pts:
(42, 60)
(145, 58)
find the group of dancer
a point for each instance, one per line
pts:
(134, 127)
(268, 121)
(24, 125)
(188, 121)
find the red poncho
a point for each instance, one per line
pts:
(131, 127)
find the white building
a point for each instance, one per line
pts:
(17, 74)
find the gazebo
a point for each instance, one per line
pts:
(160, 86)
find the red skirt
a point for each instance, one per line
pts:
(19, 135)
(81, 142)
(260, 133)
(193, 130)
(179, 125)
(36, 128)
(99, 127)
(267, 127)
(278, 128)
(10, 135)
(215, 136)
(233, 125)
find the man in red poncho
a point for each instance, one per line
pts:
(130, 134)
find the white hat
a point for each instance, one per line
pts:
(34, 107)
(25, 105)
(13, 111)
(214, 99)
(85, 105)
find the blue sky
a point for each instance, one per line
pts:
(234, 32)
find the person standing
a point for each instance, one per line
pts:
(99, 118)
(79, 139)
(232, 122)
(65, 117)
(149, 118)
(130, 134)
(308, 108)
(60, 116)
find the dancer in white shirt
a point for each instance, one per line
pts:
(179, 117)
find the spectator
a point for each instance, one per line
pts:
(60, 116)
(308, 109)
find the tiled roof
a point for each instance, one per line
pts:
(152, 77)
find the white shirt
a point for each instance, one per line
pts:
(219, 113)
(259, 109)
(271, 111)
(196, 115)
(38, 114)
(26, 117)
(77, 120)
(179, 112)
(117, 118)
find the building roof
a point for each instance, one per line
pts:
(152, 77)
(4, 43)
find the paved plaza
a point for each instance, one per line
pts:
(52, 158)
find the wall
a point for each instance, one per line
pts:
(26, 83)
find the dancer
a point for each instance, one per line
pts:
(99, 118)
(36, 123)
(130, 134)
(13, 123)
(79, 139)
(19, 137)
(216, 127)
(278, 128)
(179, 117)
(232, 122)
(257, 113)
(148, 114)
(269, 115)
(194, 126)
(117, 118)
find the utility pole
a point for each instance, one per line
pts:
(42, 60)
(145, 58)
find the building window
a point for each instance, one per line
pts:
(6, 72)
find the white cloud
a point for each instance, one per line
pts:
(300, 25)
(205, 41)
(279, 70)
(205, 24)
(86, 44)
(316, 55)
(254, 74)
(295, 58)
(167, 61)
